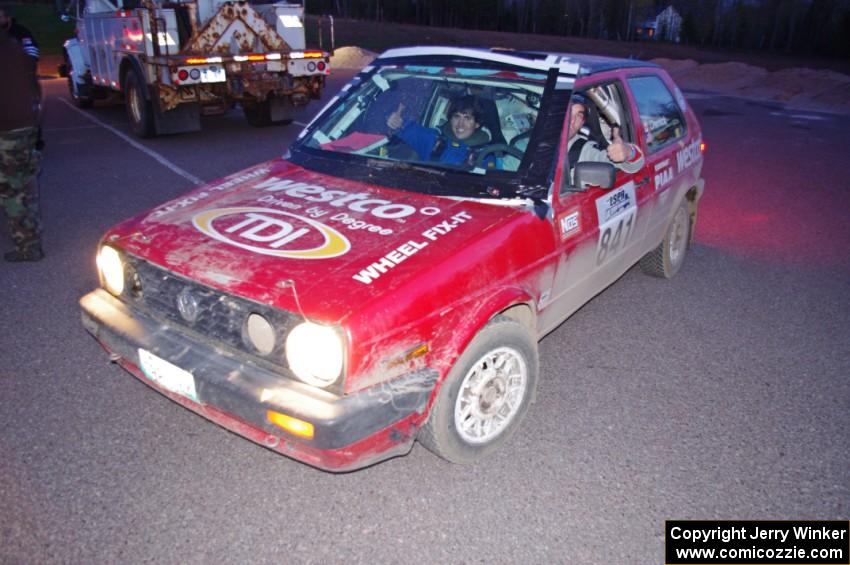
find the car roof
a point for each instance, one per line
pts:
(570, 64)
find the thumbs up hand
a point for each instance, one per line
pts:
(395, 121)
(619, 150)
(615, 135)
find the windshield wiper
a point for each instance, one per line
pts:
(386, 164)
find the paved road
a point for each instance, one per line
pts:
(723, 393)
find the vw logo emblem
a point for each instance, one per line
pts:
(187, 305)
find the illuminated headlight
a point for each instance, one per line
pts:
(111, 269)
(314, 353)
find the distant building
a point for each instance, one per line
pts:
(665, 26)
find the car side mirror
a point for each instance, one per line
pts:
(589, 173)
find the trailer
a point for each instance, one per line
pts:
(175, 61)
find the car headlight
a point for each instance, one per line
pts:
(111, 269)
(315, 353)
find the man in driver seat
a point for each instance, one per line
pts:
(623, 155)
(454, 142)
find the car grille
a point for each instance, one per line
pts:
(220, 316)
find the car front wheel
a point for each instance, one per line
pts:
(486, 394)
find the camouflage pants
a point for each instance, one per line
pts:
(19, 168)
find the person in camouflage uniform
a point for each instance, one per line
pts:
(19, 157)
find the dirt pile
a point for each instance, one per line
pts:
(805, 89)
(351, 58)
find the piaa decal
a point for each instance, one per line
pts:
(272, 232)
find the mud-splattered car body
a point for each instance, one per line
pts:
(339, 302)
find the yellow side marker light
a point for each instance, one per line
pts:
(417, 352)
(292, 425)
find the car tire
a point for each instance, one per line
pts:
(139, 108)
(485, 395)
(665, 260)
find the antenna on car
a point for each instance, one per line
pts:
(289, 283)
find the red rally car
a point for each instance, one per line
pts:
(388, 278)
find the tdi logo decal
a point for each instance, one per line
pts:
(272, 232)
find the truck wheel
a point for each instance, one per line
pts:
(258, 114)
(665, 260)
(76, 90)
(486, 394)
(139, 109)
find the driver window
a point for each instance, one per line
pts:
(606, 114)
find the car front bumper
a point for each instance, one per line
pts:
(350, 431)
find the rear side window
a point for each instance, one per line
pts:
(660, 116)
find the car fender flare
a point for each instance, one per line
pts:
(512, 301)
(689, 192)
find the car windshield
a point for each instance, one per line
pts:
(473, 120)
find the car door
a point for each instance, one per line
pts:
(601, 231)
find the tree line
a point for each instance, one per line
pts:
(811, 27)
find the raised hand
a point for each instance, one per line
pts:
(395, 120)
(618, 150)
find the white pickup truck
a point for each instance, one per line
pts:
(177, 60)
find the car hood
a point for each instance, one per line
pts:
(303, 241)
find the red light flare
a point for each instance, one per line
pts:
(767, 207)
(133, 35)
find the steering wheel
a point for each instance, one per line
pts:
(487, 150)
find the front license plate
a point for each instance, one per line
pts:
(212, 74)
(167, 375)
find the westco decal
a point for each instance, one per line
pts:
(358, 202)
(272, 232)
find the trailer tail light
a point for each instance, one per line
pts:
(202, 60)
(306, 55)
(303, 63)
(252, 58)
(199, 74)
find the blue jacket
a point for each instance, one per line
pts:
(422, 140)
